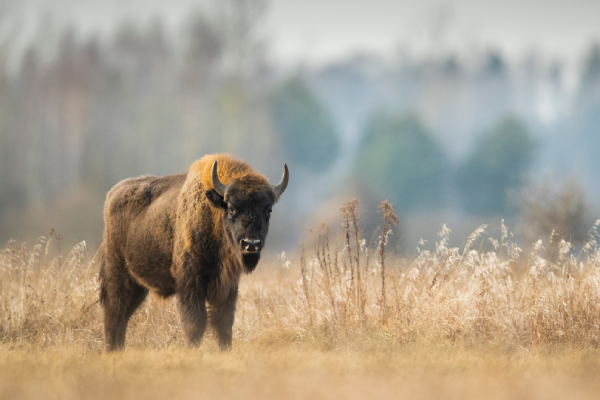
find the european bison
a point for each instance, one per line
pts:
(191, 235)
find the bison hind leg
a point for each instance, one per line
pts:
(120, 296)
(118, 309)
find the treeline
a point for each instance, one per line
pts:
(98, 112)
(447, 132)
(77, 118)
(403, 160)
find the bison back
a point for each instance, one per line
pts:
(139, 218)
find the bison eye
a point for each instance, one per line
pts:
(269, 211)
(232, 211)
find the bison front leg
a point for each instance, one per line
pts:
(221, 318)
(192, 308)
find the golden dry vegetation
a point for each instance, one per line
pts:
(342, 319)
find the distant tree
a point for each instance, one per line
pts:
(497, 164)
(552, 212)
(591, 72)
(579, 133)
(588, 97)
(307, 130)
(204, 50)
(402, 159)
(494, 64)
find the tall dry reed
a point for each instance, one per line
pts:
(342, 287)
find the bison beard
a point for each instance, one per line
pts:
(190, 235)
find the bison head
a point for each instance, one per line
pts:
(246, 204)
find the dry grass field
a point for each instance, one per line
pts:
(342, 319)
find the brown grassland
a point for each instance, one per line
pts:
(348, 319)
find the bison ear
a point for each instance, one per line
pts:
(215, 198)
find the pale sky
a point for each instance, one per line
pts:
(318, 31)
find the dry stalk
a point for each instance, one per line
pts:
(305, 284)
(348, 210)
(389, 219)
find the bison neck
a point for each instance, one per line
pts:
(229, 261)
(229, 271)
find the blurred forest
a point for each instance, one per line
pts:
(445, 139)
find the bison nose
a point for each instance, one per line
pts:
(251, 245)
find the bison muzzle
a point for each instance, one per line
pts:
(191, 235)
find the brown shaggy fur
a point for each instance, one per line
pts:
(173, 235)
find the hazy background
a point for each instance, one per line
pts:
(460, 112)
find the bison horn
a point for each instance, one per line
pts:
(280, 187)
(217, 185)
